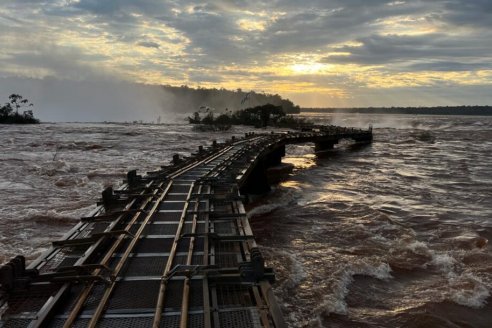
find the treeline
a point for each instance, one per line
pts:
(439, 110)
(222, 99)
(9, 113)
(258, 116)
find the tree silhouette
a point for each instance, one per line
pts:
(9, 113)
(259, 116)
(18, 102)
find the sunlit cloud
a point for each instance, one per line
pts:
(251, 25)
(407, 25)
(309, 68)
(327, 50)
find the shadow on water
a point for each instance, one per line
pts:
(342, 150)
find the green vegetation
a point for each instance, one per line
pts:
(9, 113)
(259, 116)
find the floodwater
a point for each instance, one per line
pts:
(394, 234)
(391, 235)
(52, 174)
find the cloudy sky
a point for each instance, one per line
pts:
(316, 52)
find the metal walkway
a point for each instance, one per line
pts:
(170, 249)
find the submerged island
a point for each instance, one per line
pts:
(9, 113)
(258, 116)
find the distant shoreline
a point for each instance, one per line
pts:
(441, 110)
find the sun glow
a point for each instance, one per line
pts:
(252, 25)
(310, 68)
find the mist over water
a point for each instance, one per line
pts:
(98, 99)
(105, 99)
(395, 234)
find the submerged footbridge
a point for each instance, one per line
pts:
(172, 248)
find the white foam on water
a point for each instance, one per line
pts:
(335, 301)
(70, 181)
(462, 287)
(283, 200)
(54, 216)
(469, 290)
(13, 186)
(418, 247)
(444, 262)
(297, 273)
(53, 167)
(263, 209)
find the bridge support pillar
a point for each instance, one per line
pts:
(323, 145)
(275, 157)
(364, 140)
(257, 182)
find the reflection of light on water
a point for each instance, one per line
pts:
(291, 184)
(301, 156)
(414, 207)
(332, 192)
(297, 242)
(304, 162)
(344, 143)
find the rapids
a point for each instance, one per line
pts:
(394, 234)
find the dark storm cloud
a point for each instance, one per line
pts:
(477, 13)
(318, 24)
(450, 66)
(305, 26)
(209, 32)
(439, 50)
(120, 6)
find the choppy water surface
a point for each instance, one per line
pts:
(390, 235)
(52, 174)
